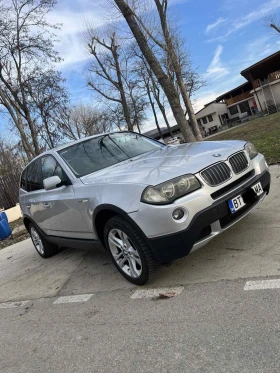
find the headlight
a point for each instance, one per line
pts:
(251, 150)
(171, 190)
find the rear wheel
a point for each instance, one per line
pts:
(129, 251)
(43, 247)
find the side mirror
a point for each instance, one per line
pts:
(51, 182)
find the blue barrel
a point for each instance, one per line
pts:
(5, 230)
(3, 216)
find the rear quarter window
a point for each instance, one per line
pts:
(34, 176)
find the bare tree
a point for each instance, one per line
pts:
(191, 78)
(172, 47)
(273, 22)
(84, 120)
(137, 98)
(151, 88)
(142, 36)
(10, 159)
(48, 102)
(148, 89)
(26, 51)
(107, 71)
(115, 116)
(193, 81)
(160, 100)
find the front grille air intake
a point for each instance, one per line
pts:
(238, 162)
(216, 174)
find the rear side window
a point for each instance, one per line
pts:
(23, 179)
(50, 167)
(34, 176)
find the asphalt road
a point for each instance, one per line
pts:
(213, 325)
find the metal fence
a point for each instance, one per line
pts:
(9, 186)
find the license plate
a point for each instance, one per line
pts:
(236, 203)
(257, 188)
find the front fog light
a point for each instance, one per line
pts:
(178, 214)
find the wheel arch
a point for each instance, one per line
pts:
(27, 220)
(105, 212)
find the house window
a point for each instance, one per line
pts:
(199, 122)
(223, 118)
(244, 107)
(210, 118)
(204, 120)
(233, 110)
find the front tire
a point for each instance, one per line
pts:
(42, 246)
(129, 251)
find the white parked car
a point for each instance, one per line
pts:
(175, 141)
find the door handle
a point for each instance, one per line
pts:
(28, 206)
(83, 201)
(47, 206)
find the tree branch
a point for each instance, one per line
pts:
(108, 77)
(103, 94)
(272, 25)
(151, 36)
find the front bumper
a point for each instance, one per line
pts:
(208, 222)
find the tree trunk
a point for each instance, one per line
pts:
(153, 108)
(121, 89)
(137, 123)
(26, 145)
(136, 119)
(49, 140)
(18, 123)
(166, 84)
(189, 107)
(275, 27)
(25, 108)
(126, 110)
(156, 94)
(162, 8)
(162, 109)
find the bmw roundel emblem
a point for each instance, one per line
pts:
(216, 155)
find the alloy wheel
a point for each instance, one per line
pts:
(37, 240)
(124, 253)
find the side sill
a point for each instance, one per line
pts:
(75, 243)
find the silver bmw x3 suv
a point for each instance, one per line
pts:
(146, 203)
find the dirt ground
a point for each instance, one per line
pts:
(20, 236)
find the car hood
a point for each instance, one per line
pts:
(166, 163)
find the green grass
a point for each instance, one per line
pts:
(264, 133)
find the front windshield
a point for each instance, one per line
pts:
(104, 151)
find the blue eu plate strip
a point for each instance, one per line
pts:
(231, 206)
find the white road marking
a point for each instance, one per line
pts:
(265, 284)
(152, 293)
(73, 299)
(13, 304)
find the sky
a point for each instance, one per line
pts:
(223, 36)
